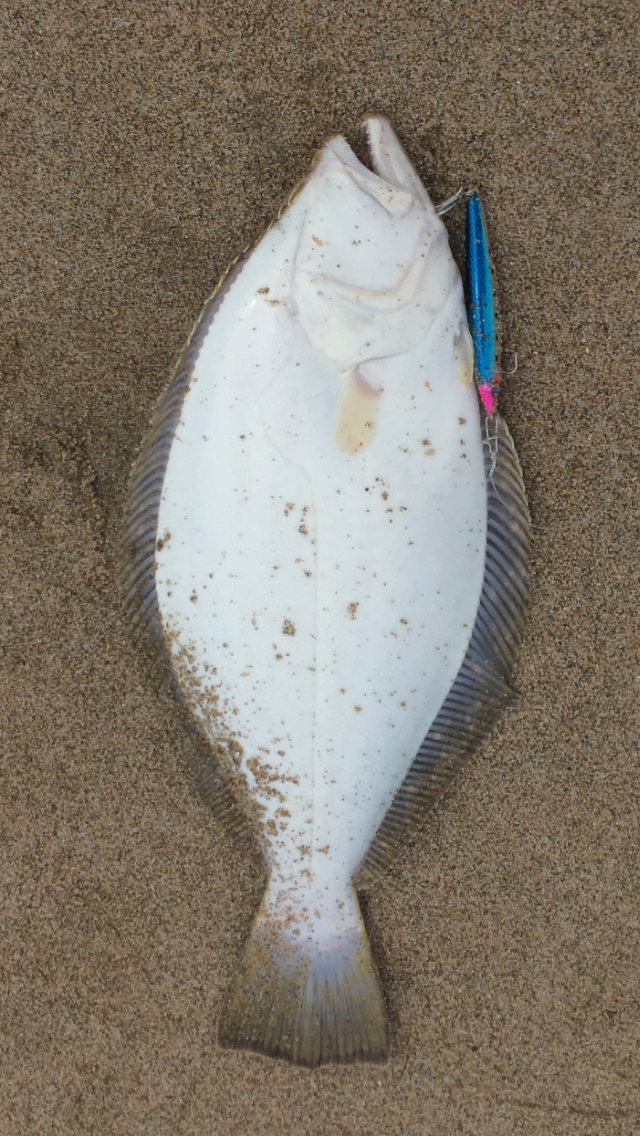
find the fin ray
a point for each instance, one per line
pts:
(308, 1005)
(137, 556)
(480, 690)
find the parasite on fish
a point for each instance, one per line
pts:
(328, 539)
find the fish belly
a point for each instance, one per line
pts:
(319, 602)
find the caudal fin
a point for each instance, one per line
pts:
(306, 1005)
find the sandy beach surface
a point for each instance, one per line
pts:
(143, 144)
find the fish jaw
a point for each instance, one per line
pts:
(391, 162)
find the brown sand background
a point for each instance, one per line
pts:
(142, 144)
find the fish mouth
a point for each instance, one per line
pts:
(390, 160)
(390, 167)
(350, 314)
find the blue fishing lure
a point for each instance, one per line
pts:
(481, 309)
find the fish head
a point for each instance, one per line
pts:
(372, 268)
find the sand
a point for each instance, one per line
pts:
(142, 145)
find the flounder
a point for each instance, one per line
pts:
(328, 538)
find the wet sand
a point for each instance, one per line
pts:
(142, 145)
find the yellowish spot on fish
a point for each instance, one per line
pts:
(463, 355)
(353, 607)
(356, 416)
(317, 241)
(288, 628)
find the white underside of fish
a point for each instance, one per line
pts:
(322, 535)
(327, 597)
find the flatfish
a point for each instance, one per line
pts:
(327, 537)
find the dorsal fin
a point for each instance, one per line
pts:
(481, 688)
(141, 537)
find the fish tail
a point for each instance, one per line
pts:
(310, 1003)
